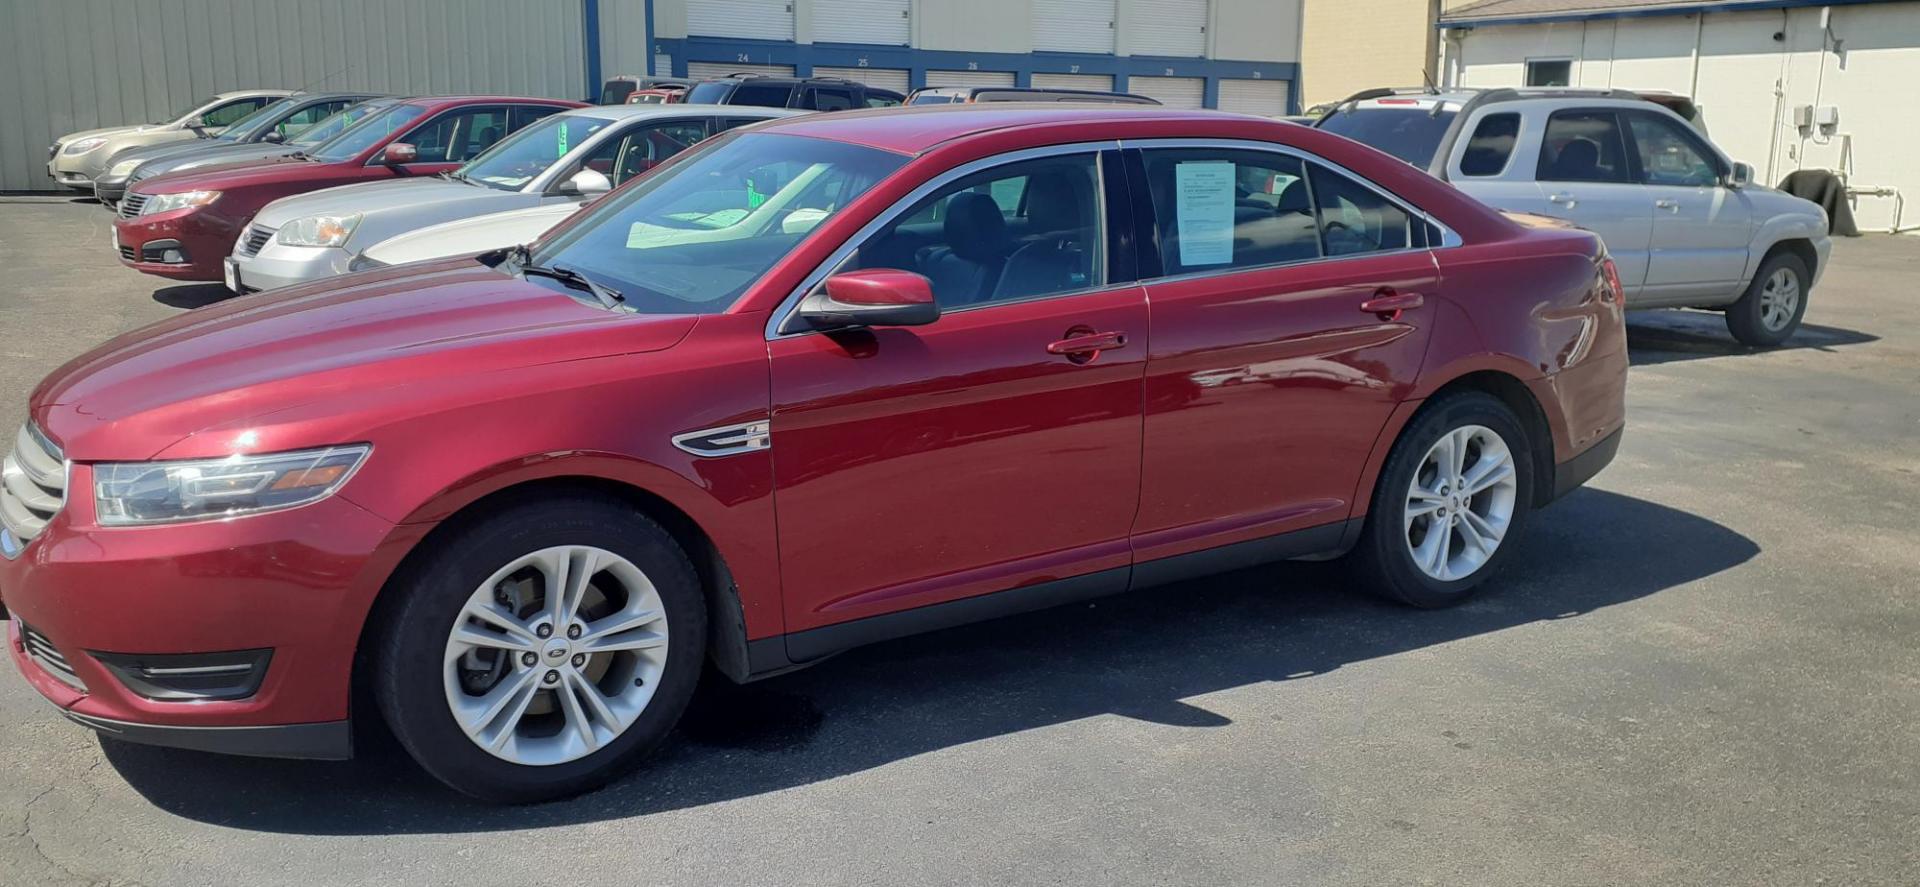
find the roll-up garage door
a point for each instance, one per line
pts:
(662, 64)
(1073, 25)
(1099, 82)
(885, 78)
(969, 78)
(1174, 92)
(859, 21)
(1267, 98)
(1168, 27)
(758, 19)
(716, 70)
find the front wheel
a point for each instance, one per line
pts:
(538, 651)
(1452, 496)
(1774, 303)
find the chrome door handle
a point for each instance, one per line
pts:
(1562, 198)
(1666, 204)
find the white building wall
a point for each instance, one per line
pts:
(70, 65)
(1747, 84)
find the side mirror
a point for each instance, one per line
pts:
(586, 183)
(874, 297)
(399, 153)
(273, 137)
(1741, 177)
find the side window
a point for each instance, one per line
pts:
(1583, 146)
(829, 98)
(762, 95)
(645, 148)
(1219, 208)
(881, 99)
(1668, 156)
(1015, 232)
(227, 114)
(525, 114)
(299, 121)
(1491, 145)
(1357, 219)
(727, 123)
(457, 136)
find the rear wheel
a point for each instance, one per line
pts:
(1455, 491)
(542, 649)
(1774, 303)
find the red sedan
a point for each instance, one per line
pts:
(184, 225)
(816, 383)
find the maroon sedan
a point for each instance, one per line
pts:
(183, 225)
(816, 383)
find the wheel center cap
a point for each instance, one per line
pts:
(555, 651)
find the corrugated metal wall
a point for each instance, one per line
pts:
(69, 65)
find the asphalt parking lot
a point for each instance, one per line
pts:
(1700, 670)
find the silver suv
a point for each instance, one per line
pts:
(1686, 225)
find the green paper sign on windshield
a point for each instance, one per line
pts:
(560, 140)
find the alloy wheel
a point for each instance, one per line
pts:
(1460, 503)
(555, 655)
(1779, 299)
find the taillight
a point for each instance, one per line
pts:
(1614, 293)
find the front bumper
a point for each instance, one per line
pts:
(109, 190)
(202, 236)
(298, 583)
(277, 265)
(77, 170)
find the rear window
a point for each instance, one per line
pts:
(763, 95)
(615, 92)
(712, 92)
(1411, 134)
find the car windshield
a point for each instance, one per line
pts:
(712, 92)
(320, 133)
(512, 163)
(929, 98)
(189, 113)
(692, 237)
(367, 133)
(1412, 134)
(253, 124)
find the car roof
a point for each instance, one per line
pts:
(244, 93)
(444, 100)
(625, 112)
(918, 128)
(341, 94)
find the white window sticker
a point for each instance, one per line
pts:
(1203, 206)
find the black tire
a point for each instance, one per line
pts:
(1746, 319)
(1381, 557)
(412, 635)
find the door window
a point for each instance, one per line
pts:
(1355, 218)
(302, 120)
(1669, 156)
(763, 95)
(1491, 145)
(829, 98)
(526, 114)
(643, 149)
(1014, 232)
(1218, 208)
(228, 114)
(1583, 146)
(458, 136)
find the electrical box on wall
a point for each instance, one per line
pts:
(1826, 116)
(1803, 116)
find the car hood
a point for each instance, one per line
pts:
(110, 131)
(228, 176)
(146, 153)
(395, 196)
(327, 346)
(477, 234)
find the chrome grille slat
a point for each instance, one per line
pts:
(130, 204)
(33, 487)
(257, 237)
(48, 657)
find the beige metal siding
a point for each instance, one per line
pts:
(80, 64)
(1267, 98)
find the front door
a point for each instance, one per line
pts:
(988, 450)
(1701, 229)
(1294, 318)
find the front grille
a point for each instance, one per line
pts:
(130, 204)
(33, 486)
(42, 652)
(257, 237)
(126, 252)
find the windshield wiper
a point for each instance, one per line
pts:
(609, 298)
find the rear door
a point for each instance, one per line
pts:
(1585, 174)
(1288, 323)
(1701, 229)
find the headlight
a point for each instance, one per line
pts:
(85, 145)
(160, 203)
(133, 493)
(319, 230)
(123, 169)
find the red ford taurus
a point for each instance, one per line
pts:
(184, 225)
(815, 383)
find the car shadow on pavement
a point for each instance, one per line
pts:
(1136, 655)
(1665, 336)
(192, 295)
